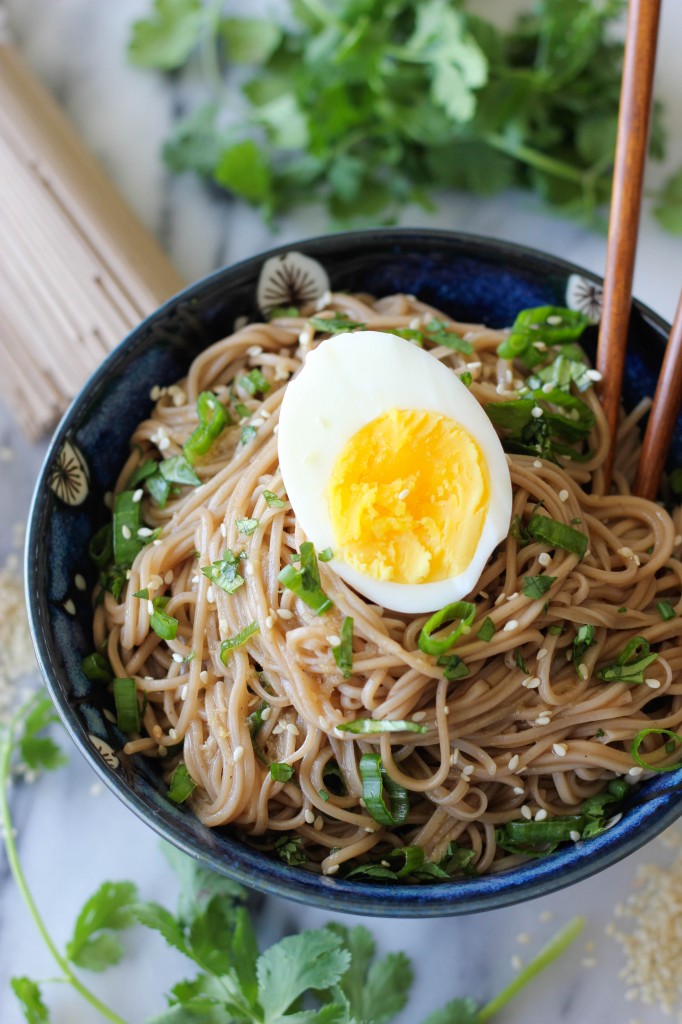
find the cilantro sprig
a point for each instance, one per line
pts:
(369, 107)
(333, 971)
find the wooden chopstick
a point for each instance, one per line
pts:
(663, 415)
(628, 175)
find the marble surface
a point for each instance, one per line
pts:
(73, 834)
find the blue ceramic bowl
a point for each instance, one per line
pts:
(471, 278)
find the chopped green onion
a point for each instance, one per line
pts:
(281, 311)
(113, 580)
(487, 630)
(555, 630)
(177, 470)
(561, 373)
(163, 625)
(305, 582)
(412, 857)
(281, 772)
(255, 719)
(408, 333)
(336, 324)
(159, 488)
(326, 555)
(224, 572)
(622, 610)
(631, 663)
(242, 411)
(126, 524)
(458, 858)
(127, 708)
(551, 325)
(97, 668)
(247, 526)
(248, 434)
(227, 646)
(323, 795)
(371, 726)
(181, 784)
(583, 640)
(535, 833)
(535, 586)
(454, 667)
(288, 847)
(466, 379)
(641, 736)
(144, 470)
(343, 652)
(520, 662)
(459, 610)
(101, 546)
(375, 779)
(254, 383)
(557, 534)
(212, 421)
(272, 500)
(440, 333)
(666, 610)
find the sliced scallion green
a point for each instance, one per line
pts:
(247, 526)
(181, 784)
(325, 555)
(377, 784)
(557, 534)
(582, 641)
(409, 858)
(272, 500)
(631, 663)
(127, 708)
(535, 587)
(255, 719)
(126, 524)
(248, 434)
(97, 668)
(665, 610)
(343, 652)
(229, 645)
(454, 667)
(439, 333)
(487, 630)
(254, 383)
(461, 612)
(212, 421)
(336, 324)
(372, 726)
(101, 546)
(177, 470)
(639, 739)
(138, 475)
(164, 625)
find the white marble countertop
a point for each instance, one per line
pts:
(73, 834)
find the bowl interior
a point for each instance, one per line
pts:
(471, 279)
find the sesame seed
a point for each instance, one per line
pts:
(238, 753)
(163, 444)
(575, 836)
(137, 495)
(150, 607)
(563, 495)
(526, 812)
(653, 684)
(223, 530)
(583, 671)
(333, 640)
(510, 597)
(547, 388)
(513, 763)
(144, 531)
(404, 494)
(625, 552)
(500, 599)
(446, 710)
(542, 719)
(545, 916)
(203, 676)
(177, 657)
(79, 581)
(469, 770)
(125, 530)
(593, 375)
(537, 412)
(518, 791)
(248, 571)
(454, 756)
(555, 320)
(157, 542)
(210, 595)
(269, 622)
(510, 626)
(308, 816)
(319, 823)
(637, 770)
(292, 729)
(184, 690)
(285, 614)
(172, 734)
(168, 578)
(331, 870)
(255, 350)
(69, 607)
(155, 582)
(419, 716)
(537, 464)
(541, 814)
(544, 558)
(560, 749)
(542, 653)
(279, 729)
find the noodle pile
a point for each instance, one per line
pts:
(527, 735)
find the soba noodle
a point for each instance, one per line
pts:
(526, 735)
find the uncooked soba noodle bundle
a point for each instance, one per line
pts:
(528, 733)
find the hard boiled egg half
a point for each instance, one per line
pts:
(390, 461)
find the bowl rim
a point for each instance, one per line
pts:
(259, 870)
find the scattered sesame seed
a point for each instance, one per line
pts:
(308, 816)
(168, 578)
(248, 571)
(223, 530)
(419, 716)
(575, 836)
(203, 676)
(518, 791)
(255, 350)
(593, 375)
(454, 756)
(653, 684)
(292, 729)
(542, 719)
(516, 962)
(537, 464)
(319, 823)
(510, 626)
(563, 495)
(155, 582)
(150, 607)
(172, 734)
(163, 444)
(446, 710)
(177, 657)
(541, 814)
(137, 495)
(331, 870)
(510, 597)
(184, 690)
(637, 770)
(144, 531)
(210, 595)
(537, 412)
(513, 763)
(544, 558)
(125, 530)
(469, 770)
(545, 916)
(269, 622)
(238, 753)
(583, 671)
(523, 938)
(157, 542)
(526, 812)
(265, 713)
(285, 614)
(79, 581)
(560, 749)
(500, 599)
(69, 607)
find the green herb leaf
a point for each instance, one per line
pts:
(247, 526)
(127, 708)
(101, 546)
(439, 333)
(177, 470)
(146, 468)
(535, 587)
(166, 39)
(250, 40)
(181, 784)
(466, 379)
(272, 500)
(456, 1011)
(289, 849)
(305, 581)
(31, 1000)
(224, 572)
(371, 726)
(281, 772)
(666, 610)
(460, 611)
(343, 652)
(376, 990)
(375, 779)
(164, 625)
(338, 323)
(159, 488)
(92, 944)
(630, 664)
(227, 646)
(40, 753)
(454, 667)
(309, 960)
(243, 168)
(582, 641)
(487, 630)
(255, 383)
(557, 534)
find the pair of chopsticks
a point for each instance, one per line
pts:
(628, 175)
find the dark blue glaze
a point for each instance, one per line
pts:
(471, 278)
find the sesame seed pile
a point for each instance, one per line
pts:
(16, 651)
(652, 937)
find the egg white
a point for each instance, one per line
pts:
(347, 381)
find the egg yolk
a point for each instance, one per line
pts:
(408, 496)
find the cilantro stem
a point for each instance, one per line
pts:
(534, 158)
(7, 737)
(554, 948)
